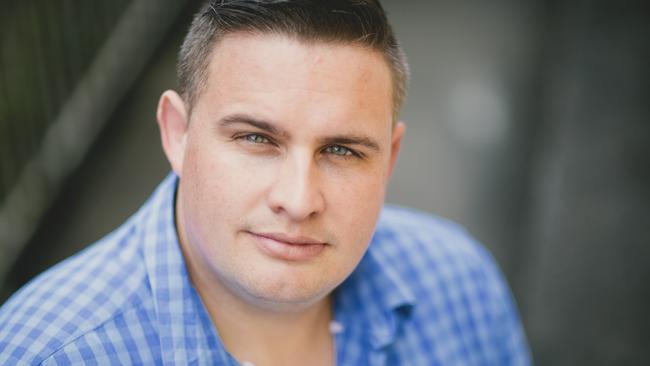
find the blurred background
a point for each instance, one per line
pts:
(528, 122)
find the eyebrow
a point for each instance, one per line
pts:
(251, 121)
(352, 140)
(274, 130)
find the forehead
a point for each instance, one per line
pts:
(280, 69)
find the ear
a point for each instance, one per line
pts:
(173, 123)
(396, 143)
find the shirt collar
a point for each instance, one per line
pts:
(185, 331)
(376, 297)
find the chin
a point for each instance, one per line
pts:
(285, 297)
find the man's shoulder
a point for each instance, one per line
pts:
(457, 289)
(422, 238)
(433, 255)
(440, 264)
(74, 298)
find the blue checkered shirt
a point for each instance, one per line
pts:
(425, 293)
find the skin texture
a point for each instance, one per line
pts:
(283, 168)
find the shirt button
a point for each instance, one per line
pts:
(336, 327)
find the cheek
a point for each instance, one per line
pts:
(205, 193)
(358, 190)
(355, 205)
(225, 188)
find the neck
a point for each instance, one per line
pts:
(270, 337)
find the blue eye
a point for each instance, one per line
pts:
(339, 150)
(256, 139)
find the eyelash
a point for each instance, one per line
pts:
(254, 137)
(251, 137)
(348, 153)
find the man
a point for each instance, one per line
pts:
(268, 244)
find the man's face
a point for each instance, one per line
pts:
(284, 167)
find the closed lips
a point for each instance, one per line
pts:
(291, 240)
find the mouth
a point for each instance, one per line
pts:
(288, 248)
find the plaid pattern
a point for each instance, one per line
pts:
(424, 294)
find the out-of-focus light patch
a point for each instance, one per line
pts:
(478, 113)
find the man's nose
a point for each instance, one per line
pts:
(296, 191)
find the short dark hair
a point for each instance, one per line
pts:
(361, 22)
